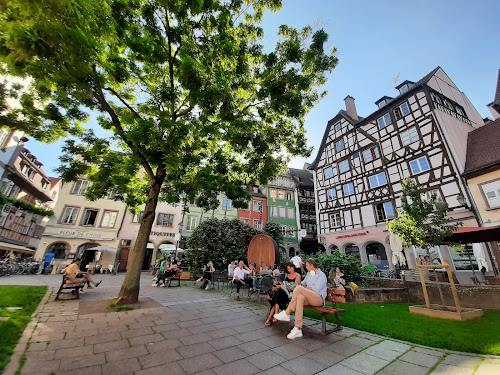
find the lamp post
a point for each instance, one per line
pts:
(462, 201)
(179, 239)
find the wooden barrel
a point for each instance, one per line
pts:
(263, 248)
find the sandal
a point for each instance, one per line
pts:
(268, 323)
(275, 320)
(99, 283)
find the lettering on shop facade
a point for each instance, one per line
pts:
(79, 234)
(162, 234)
(353, 235)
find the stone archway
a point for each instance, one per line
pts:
(332, 249)
(59, 249)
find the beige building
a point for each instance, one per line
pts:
(79, 224)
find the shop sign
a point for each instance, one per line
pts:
(353, 235)
(163, 234)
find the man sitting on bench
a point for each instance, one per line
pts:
(312, 291)
(73, 273)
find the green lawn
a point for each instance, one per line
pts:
(480, 335)
(27, 297)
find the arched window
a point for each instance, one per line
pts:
(376, 255)
(59, 250)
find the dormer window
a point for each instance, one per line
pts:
(382, 103)
(403, 89)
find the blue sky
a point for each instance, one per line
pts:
(379, 41)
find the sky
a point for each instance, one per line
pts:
(380, 44)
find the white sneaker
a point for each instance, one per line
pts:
(154, 284)
(208, 287)
(155, 279)
(283, 316)
(295, 333)
(82, 291)
(163, 285)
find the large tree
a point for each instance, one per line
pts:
(192, 103)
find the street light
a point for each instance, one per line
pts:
(180, 236)
(462, 201)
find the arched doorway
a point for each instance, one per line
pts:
(166, 249)
(333, 249)
(353, 250)
(59, 249)
(377, 256)
(86, 256)
(146, 264)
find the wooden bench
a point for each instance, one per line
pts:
(176, 277)
(74, 287)
(334, 296)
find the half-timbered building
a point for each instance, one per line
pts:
(422, 134)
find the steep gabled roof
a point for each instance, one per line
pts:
(483, 152)
(301, 177)
(366, 119)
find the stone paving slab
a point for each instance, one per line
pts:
(191, 331)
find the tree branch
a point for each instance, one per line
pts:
(251, 105)
(124, 102)
(99, 95)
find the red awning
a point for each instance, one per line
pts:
(475, 234)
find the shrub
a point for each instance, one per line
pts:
(350, 266)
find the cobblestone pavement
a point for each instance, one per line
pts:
(208, 332)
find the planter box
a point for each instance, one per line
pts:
(436, 311)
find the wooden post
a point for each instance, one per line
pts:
(424, 287)
(452, 285)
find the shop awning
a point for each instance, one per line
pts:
(11, 247)
(475, 235)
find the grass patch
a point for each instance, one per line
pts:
(394, 320)
(123, 308)
(27, 297)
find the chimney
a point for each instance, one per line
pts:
(350, 107)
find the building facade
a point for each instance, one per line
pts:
(282, 210)
(305, 210)
(256, 214)
(419, 134)
(23, 179)
(79, 224)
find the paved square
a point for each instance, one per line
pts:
(192, 331)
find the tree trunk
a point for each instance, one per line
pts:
(129, 292)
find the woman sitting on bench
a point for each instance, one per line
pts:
(312, 292)
(73, 273)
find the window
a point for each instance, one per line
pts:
(138, 217)
(384, 121)
(281, 195)
(289, 213)
(332, 193)
(382, 103)
(384, 211)
(125, 242)
(403, 89)
(283, 230)
(348, 189)
(257, 206)
(427, 196)
(436, 98)
(288, 196)
(492, 193)
(340, 145)
(255, 189)
(25, 170)
(45, 184)
(409, 136)
(226, 204)
(166, 220)
(69, 215)
(108, 219)
(460, 111)
(290, 232)
(371, 154)
(4, 135)
(378, 180)
(80, 187)
(448, 104)
(343, 166)
(338, 126)
(282, 211)
(58, 249)
(401, 111)
(328, 173)
(355, 155)
(6, 187)
(191, 223)
(112, 194)
(274, 211)
(335, 220)
(257, 224)
(419, 165)
(4, 213)
(89, 217)
(273, 193)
